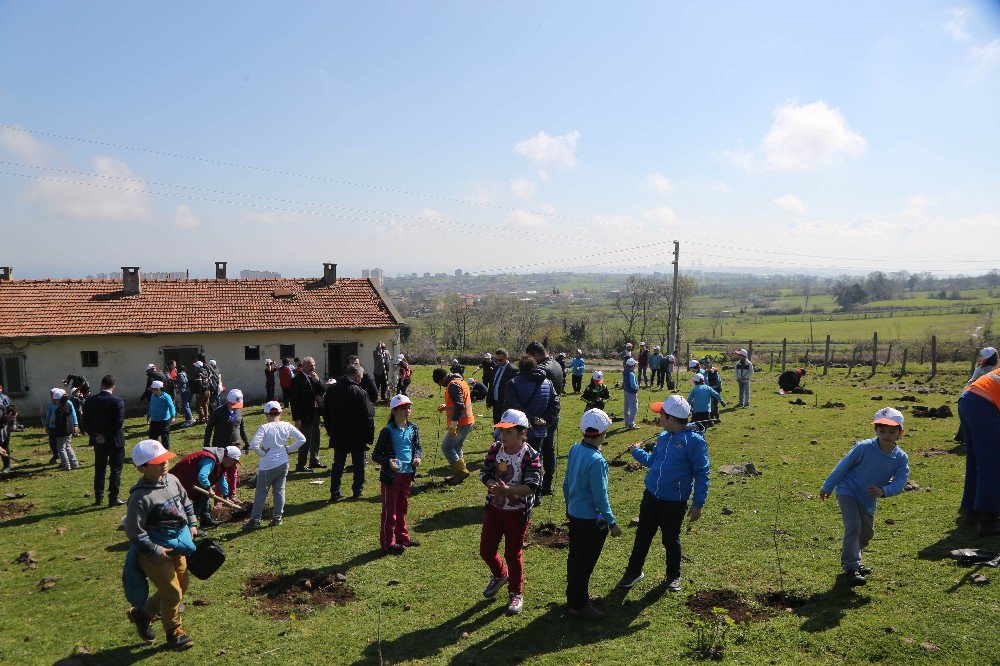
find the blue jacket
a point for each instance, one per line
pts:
(868, 465)
(714, 378)
(629, 382)
(50, 415)
(205, 466)
(701, 396)
(654, 360)
(585, 485)
(533, 394)
(161, 407)
(134, 578)
(578, 367)
(679, 461)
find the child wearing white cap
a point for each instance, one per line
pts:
(873, 468)
(205, 468)
(270, 442)
(160, 523)
(596, 395)
(987, 364)
(588, 508)
(679, 463)
(654, 368)
(61, 425)
(577, 367)
(630, 385)
(743, 372)
(512, 472)
(398, 451)
(700, 399)
(160, 414)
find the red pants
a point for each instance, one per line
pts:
(395, 501)
(512, 527)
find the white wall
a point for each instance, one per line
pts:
(48, 361)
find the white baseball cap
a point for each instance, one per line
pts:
(235, 398)
(656, 347)
(742, 352)
(212, 363)
(693, 363)
(487, 356)
(398, 400)
(888, 416)
(400, 358)
(628, 345)
(234, 453)
(642, 344)
(156, 384)
(331, 382)
(698, 378)
(57, 393)
(630, 362)
(198, 364)
(673, 405)
(988, 352)
(671, 358)
(271, 407)
(598, 376)
(267, 360)
(151, 366)
(594, 422)
(511, 418)
(150, 451)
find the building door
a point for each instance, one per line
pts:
(336, 357)
(185, 356)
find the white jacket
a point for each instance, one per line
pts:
(270, 442)
(744, 370)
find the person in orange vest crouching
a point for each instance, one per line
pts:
(458, 410)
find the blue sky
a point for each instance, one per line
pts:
(485, 136)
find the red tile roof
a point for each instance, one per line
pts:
(33, 308)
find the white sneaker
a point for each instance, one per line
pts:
(515, 605)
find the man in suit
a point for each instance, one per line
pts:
(349, 417)
(103, 421)
(305, 394)
(497, 384)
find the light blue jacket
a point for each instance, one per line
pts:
(50, 415)
(585, 485)
(630, 383)
(701, 396)
(578, 367)
(868, 465)
(161, 407)
(678, 463)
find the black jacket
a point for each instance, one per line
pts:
(554, 373)
(104, 414)
(508, 372)
(222, 431)
(302, 394)
(349, 416)
(152, 376)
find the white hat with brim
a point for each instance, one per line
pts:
(594, 422)
(272, 407)
(511, 418)
(150, 451)
(398, 400)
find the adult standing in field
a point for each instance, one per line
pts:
(743, 372)
(531, 391)
(184, 393)
(460, 420)
(366, 382)
(170, 385)
(979, 409)
(643, 362)
(104, 423)
(654, 368)
(554, 374)
(305, 394)
(285, 374)
(380, 369)
(269, 371)
(199, 379)
(502, 374)
(486, 370)
(987, 363)
(152, 375)
(349, 418)
(215, 383)
(577, 367)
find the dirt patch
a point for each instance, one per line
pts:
(833, 405)
(228, 514)
(550, 535)
(192, 436)
(781, 600)
(10, 510)
(306, 589)
(942, 412)
(757, 609)
(940, 452)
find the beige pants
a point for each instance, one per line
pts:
(170, 578)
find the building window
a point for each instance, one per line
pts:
(12, 375)
(88, 359)
(251, 353)
(286, 351)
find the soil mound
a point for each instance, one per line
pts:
(740, 609)
(10, 510)
(550, 535)
(280, 595)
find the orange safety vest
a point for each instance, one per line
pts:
(987, 386)
(467, 418)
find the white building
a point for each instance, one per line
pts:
(52, 328)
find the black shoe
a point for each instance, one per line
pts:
(546, 491)
(300, 468)
(864, 571)
(53, 460)
(114, 501)
(316, 465)
(207, 521)
(854, 578)
(394, 549)
(142, 625)
(989, 524)
(179, 640)
(674, 585)
(98, 501)
(336, 498)
(356, 496)
(629, 580)
(412, 543)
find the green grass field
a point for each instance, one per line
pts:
(436, 614)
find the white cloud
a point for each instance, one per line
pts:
(955, 26)
(719, 188)
(184, 218)
(23, 145)
(522, 188)
(802, 137)
(558, 152)
(102, 196)
(522, 219)
(660, 183)
(661, 215)
(547, 208)
(271, 218)
(791, 203)
(483, 191)
(985, 58)
(430, 214)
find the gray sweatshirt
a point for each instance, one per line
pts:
(156, 505)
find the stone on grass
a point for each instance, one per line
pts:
(979, 579)
(726, 511)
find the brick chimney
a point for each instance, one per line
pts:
(330, 274)
(6, 273)
(220, 270)
(130, 280)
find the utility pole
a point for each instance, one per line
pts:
(672, 324)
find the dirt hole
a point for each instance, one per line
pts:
(10, 510)
(550, 535)
(741, 609)
(280, 595)
(228, 514)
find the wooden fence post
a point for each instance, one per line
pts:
(686, 362)
(902, 370)
(749, 349)
(888, 354)
(826, 354)
(874, 352)
(770, 366)
(784, 351)
(933, 355)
